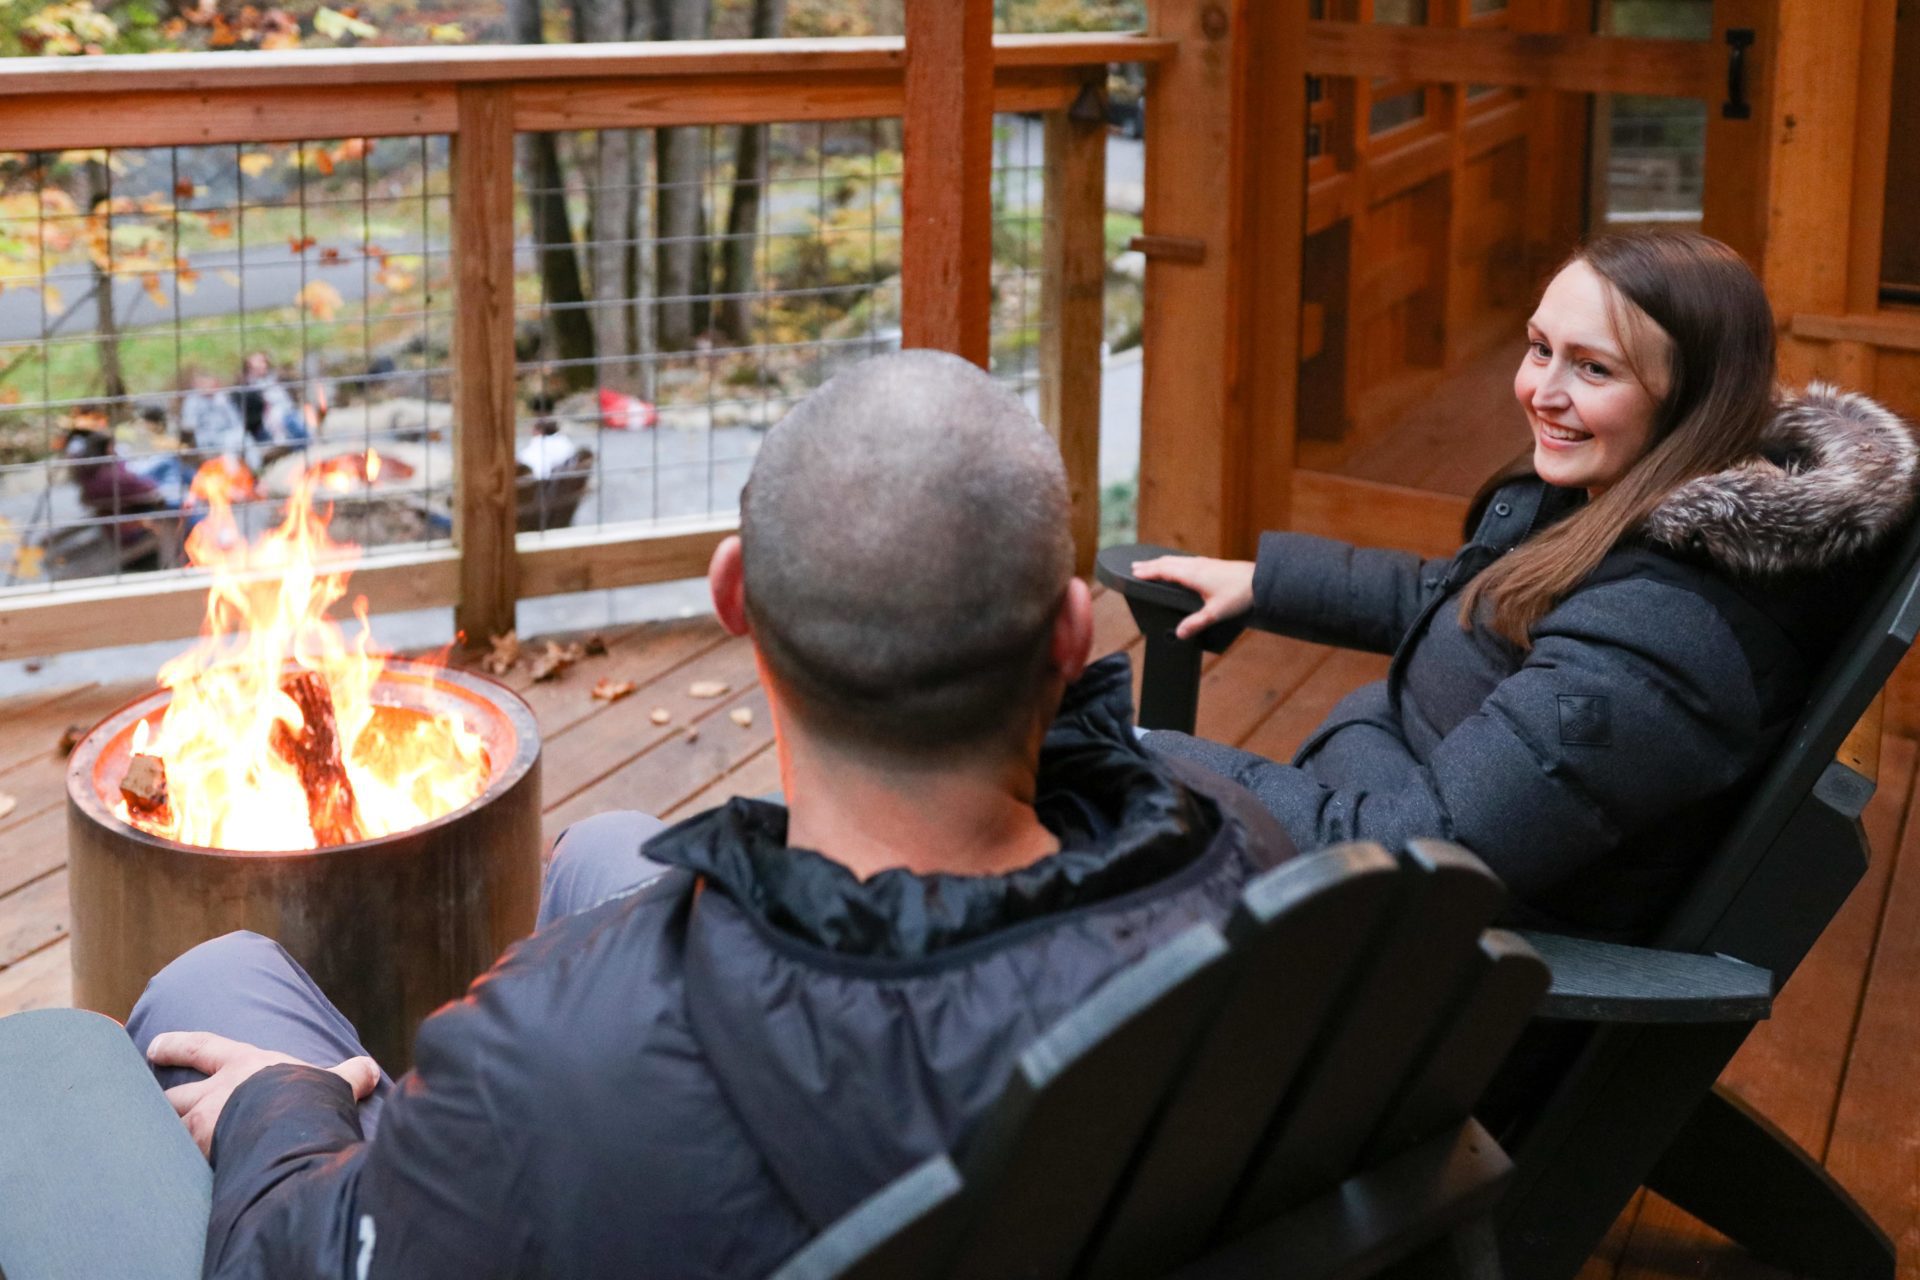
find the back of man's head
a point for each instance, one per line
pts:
(906, 550)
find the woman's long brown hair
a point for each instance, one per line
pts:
(1720, 356)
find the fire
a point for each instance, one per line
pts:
(351, 471)
(223, 738)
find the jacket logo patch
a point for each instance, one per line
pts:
(1586, 720)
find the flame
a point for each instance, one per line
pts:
(373, 466)
(227, 785)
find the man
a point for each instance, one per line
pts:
(774, 1011)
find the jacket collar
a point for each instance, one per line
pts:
(1123, 823)
(1836, 474)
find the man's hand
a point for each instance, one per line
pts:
(1225, 587)
(228, 1064)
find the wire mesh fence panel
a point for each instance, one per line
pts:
(243, 318)
(677, 291)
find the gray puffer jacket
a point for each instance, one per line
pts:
(1594, 771)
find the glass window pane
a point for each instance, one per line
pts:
(1401, 108)
(1660, 19)
(1655, 158)
(1403, 13)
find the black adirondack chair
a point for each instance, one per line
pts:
(1289, 1098)
(1638, 1105)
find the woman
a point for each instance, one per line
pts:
(1584, 693)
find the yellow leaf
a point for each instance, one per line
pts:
(50, 295)
(151, 283)
(320, 299)
(446, 33)
(8, 395)
(218, 226)
(185, 276)
(27, 561)
(333, 24)
(255, 163)
(231, 277)
(394, 280)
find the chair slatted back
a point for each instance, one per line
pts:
(1131, 1134)
(1507, 983)
(907, 1228)
(1759, 852)
(1358, 1069)
(1045, 1162)
(1296, 930)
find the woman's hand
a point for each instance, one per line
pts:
(228, 1064)
(1224, 586)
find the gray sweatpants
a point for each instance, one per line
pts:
(247, 988)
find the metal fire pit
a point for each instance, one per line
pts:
(390, 928)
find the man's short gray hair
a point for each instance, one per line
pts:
(906, 550)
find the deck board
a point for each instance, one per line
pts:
(1838, 1066)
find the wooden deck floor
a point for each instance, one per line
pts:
(1838, 1066)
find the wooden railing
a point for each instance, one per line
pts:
(483, 98)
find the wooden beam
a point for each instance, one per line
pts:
(404, 92)
(1893, 331)
(1811, 120)
(149, 607)
(1226, 166)
(946, 251)
(1370, 514)
(568, 561)
(1562, 60)
(483, 372)
(1073, 306)
(1871, 138)
(493, 64)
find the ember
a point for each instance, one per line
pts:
(272, 738)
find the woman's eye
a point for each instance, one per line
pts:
(1540, 349)
(1595, 370)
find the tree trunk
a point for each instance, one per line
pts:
(569, 326)
(743, 210)
(683, 270)
(106, 326)
(612, 225)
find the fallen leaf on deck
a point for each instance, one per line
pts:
(707, 688)
(7, 803)
(550, 665)
(742, 716)
(506, 652)
(596, 645)
(660, 715)
(69, 739)
(613, 690)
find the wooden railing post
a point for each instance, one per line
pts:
(946, 251)
(483, 375)
(1073, 304)
(1226, 175)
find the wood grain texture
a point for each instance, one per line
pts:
(153, 100)
(1893, 330)
(1563, 60)
(172, 608)
(1073, 308)
(946, 252)
(484, 503)
(310, 68)
(1375, 514)
(1811, 121)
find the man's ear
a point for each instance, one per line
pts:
(727, 580)
(1073, 631)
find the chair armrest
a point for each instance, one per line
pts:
(1159, 606)
(1607, 982)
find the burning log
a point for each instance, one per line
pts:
(315, 753)
(144, 787)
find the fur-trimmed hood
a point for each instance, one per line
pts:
(1836, 474)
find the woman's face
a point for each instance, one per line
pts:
(1591, 416)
